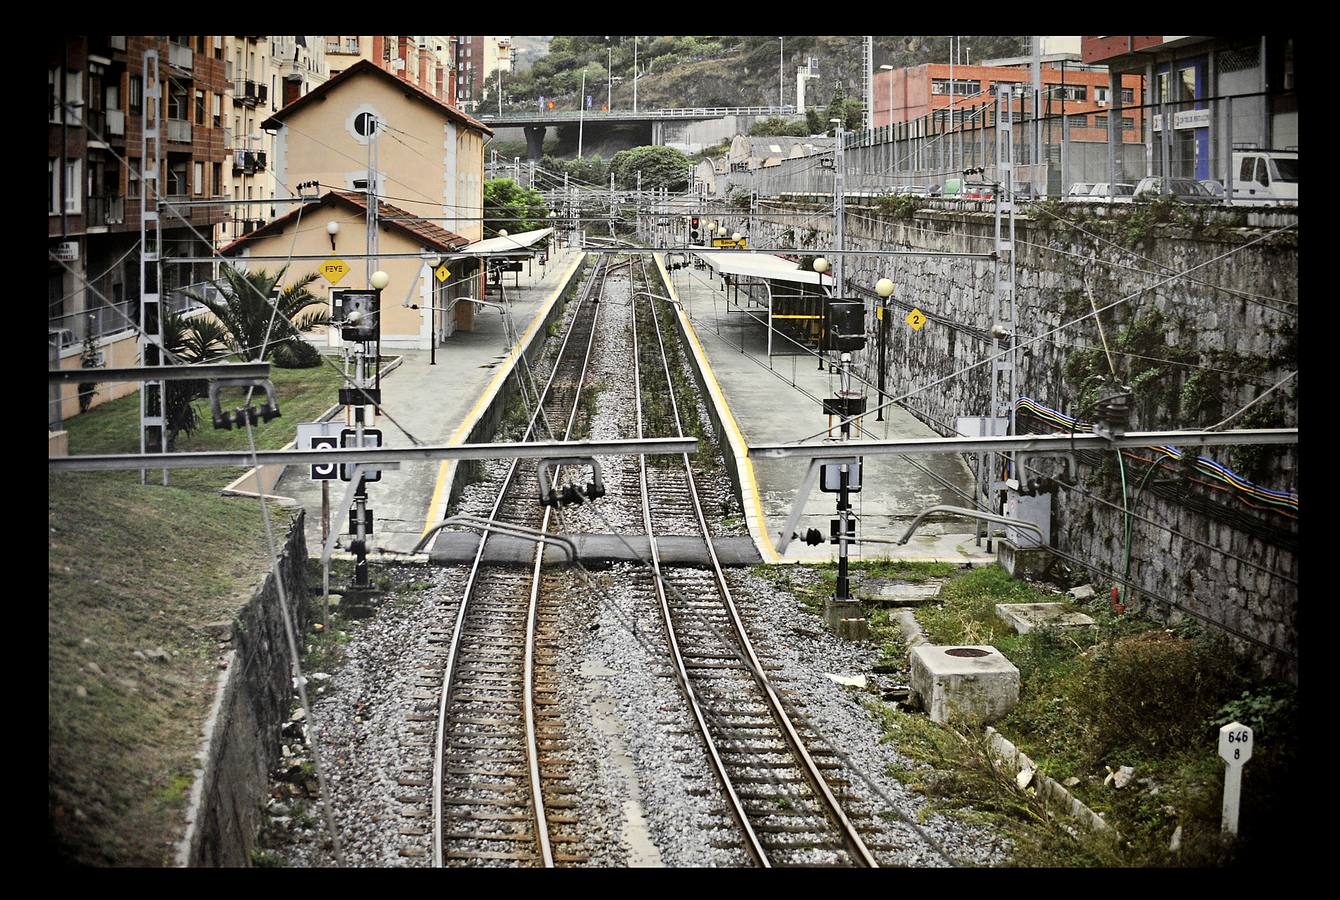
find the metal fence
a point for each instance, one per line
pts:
(100, 319)
(1053, 152)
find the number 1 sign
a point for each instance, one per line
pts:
(1235, 746)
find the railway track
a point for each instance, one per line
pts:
(501, 793)
(774, 788)
(501, 789)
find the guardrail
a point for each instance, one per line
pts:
(699, 112)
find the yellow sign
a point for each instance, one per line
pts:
(334, 270)
(916, 318)
(442, 273)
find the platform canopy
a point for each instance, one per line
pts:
(765, 266)
(512, 245)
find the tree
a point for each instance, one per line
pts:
(88, 359)
(192, 341)
(660, 167)
(776, 125)
(513, 207)
(245, 314)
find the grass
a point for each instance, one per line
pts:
(114, 427)
(135, 568)
(1127, 692)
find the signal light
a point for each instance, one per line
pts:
(693, 229)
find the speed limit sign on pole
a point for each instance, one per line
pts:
(321, 436)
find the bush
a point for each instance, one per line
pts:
(296, 355)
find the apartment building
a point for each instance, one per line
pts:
(470, 70)
(95, 120)
(423, 60)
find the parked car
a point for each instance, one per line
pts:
(914, 190)
(1187, 190)
(1079, 189)
(1262, 177)
(961, 189)
(1214, 188)
(1107, 192)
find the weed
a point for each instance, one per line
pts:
(267, 859)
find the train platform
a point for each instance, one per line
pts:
(438, 398)
(762, 399)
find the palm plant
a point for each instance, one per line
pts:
(245, 314)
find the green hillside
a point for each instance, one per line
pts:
(721, 70)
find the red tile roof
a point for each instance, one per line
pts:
(390, 217)
(360, 67)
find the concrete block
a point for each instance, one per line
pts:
(970, 683)
(846, 620)
(1020, 560)
(58, 443)
(1024, 617)
(897, 593)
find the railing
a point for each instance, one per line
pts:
(248, 161)
(108, 210)
(116, 123)
(179, 130)
(71, 330)
(700, 112)
(332, 46)
(181, 57)
(250, 92)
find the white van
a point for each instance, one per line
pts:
(1264, 177)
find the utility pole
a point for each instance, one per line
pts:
(781, 64)
(868, 83)
(153, 399)
(1035, 156)
(1003, 389)
(951, 103)
(839, 204)
(635, 74)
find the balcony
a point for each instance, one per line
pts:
(227, 139)
(248, 162)
(180, 57)
(179, 130)
(109, 210)
(250, 93)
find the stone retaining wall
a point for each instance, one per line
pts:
(1249, 335)
(242, 735)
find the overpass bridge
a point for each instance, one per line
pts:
(535, 123)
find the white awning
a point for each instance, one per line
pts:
(764, 265)
(513, 244)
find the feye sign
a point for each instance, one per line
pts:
(334, 270)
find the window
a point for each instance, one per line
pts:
(1100, 121)
(218, 110)
(961, 88)
(1068, 91)
(1100, 95)
(365, 124)
(218, 46)
(53, 186)
(1188, 84)
(1248, 164)
(218, 180)
(1127, 123)
(133, 178)
(1161, 88)
(176, 180)
(72, 194)
(176, 101)
(1127, 96)
(200, 107)
(199, 173)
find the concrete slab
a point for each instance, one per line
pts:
(1024, 617)
(777, 399)
(964, 683)
(891, 592)
(467, 365)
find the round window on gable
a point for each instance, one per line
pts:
(365, 124)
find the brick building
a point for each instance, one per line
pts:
(1068, 88)
(94, 157)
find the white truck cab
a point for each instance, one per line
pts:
(1264, 177)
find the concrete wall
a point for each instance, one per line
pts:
(242, 736)
(1226, 332)
(121, 350)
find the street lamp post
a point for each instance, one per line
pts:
(884, 288)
